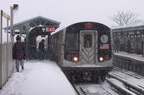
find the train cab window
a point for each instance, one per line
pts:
(72, 41)
(87, 40)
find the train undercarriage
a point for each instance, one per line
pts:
(86, 74)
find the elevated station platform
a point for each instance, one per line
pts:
(38, 78)
(129, 47)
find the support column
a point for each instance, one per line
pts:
(27, 57)
(0, 49)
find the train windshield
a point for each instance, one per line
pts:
(71, 41)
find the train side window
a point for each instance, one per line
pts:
(72, 41)
(87, 40)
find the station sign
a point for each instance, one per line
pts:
(50, 29)
(4, 15)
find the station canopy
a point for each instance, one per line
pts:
(27, 25)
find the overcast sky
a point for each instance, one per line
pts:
(71, 11)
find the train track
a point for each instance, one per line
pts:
(93, 89)
(119, 87)
(99, 89)
(113, 85)
(132, 74)
(128, 85)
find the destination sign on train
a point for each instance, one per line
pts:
(50, 29)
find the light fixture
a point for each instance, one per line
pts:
(75, 59)
(101, 59)
(15, 6)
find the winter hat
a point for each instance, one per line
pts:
(18, 37)
(43, 40)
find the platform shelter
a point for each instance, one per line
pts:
(32, 28)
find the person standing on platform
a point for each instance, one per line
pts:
(18, 53)
(41, 49)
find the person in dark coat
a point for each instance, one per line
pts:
(18, 53)
(41, 49)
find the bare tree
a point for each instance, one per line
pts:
(125, 18)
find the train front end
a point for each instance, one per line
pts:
(87, 52)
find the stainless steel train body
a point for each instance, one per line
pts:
(83, 51)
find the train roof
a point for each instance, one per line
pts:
(80, 23)
(87, 22)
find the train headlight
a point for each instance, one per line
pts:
(101, 59)
(75, 59)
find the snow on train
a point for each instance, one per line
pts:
(83, 51)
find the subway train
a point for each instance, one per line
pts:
(83, 51)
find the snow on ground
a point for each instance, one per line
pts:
(38, 78)
(126, 76)
(46, 78)
(131, 55)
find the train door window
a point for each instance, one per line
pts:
(87, 40)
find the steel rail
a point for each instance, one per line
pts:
(129, 85)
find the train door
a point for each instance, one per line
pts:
(88, 43)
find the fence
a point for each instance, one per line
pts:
(129, 64)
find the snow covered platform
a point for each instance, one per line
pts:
(130, 56)
(38, 78)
